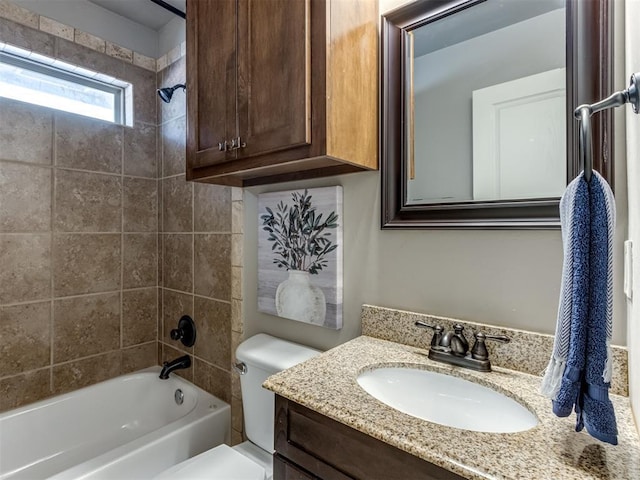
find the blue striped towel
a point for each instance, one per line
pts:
(579, 373)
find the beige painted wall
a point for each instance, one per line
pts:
(509, 278)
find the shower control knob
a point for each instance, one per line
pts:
(186, 331)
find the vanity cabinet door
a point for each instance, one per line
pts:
(285, 470)
(329, 450)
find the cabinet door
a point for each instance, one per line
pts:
(274, 80)
(211, 80)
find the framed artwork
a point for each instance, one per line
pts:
(300, 255)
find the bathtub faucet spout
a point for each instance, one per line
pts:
(180, 362)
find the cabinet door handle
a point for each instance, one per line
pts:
(237, 143)
(223, 146)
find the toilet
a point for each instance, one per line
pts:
(260, 356)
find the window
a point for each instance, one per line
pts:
(40, 80)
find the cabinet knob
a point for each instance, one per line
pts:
(223, 146)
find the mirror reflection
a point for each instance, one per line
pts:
(486, 104)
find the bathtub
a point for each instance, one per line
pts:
(130, 427)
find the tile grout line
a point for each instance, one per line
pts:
(122, 246)
(193, 264)
(54, 161)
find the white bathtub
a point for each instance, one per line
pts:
(129, 427)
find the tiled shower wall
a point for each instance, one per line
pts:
(201, 258)
(78, 235)
(104, 245)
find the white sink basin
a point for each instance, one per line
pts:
(447, 400)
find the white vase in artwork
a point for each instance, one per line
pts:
(298, 299)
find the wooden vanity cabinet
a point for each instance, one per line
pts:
(311, 446)
(280, 89)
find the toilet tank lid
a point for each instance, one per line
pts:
(273, 354)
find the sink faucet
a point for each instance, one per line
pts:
(453, 348)
(178, 363)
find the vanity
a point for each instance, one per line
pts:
(327, 426)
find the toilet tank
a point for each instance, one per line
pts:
(263, 356)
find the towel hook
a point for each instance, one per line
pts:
(583, 114)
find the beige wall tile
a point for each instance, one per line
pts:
(26, 37)
(235, 382)
(140, 263)
(26, 337)
(236, 339)
(26, 267)
(174, 306)
(18, 14)
(161, 63)
(139, 357)
(24, 389)
(140, 156)
(177, 269)
(174, 153)
(212, 379)
(88, 144)
(25, 198)
(236, 414)
(139, 316)
(236, 194)
(177, 205)
(56, 28)
(86, 263)
(212, 208)
(237, 217)
(84, 326)
(144, 97)
(87, 57)
(26, 132)
(236, 283)
(117, 51)
(86, 371)
(145, 62)
(91, 41)
(140, 205)
(237, 257)
(236, 316)
(213, 324)
(169, 354)
(236, 438)
(87, 202)
(213, 266)
(172, 75)
(174, 54)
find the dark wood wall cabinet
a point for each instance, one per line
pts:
(311, 446)
(280, 89)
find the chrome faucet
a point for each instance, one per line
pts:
(453, 348)
(178, 363)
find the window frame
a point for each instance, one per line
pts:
(54, 71)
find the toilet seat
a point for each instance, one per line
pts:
(219, 463)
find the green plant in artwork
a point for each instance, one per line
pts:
(300, 237)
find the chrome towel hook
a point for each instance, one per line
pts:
(583, 114)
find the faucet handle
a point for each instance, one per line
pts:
(479, 350)
(437, 332)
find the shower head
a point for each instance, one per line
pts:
(167, 92)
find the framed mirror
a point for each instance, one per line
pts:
(477, 101)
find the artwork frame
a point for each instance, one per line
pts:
(300, 243)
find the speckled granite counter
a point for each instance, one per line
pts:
(552, 450)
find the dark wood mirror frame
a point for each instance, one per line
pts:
(589, 73)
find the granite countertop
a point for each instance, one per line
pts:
(551, 450)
